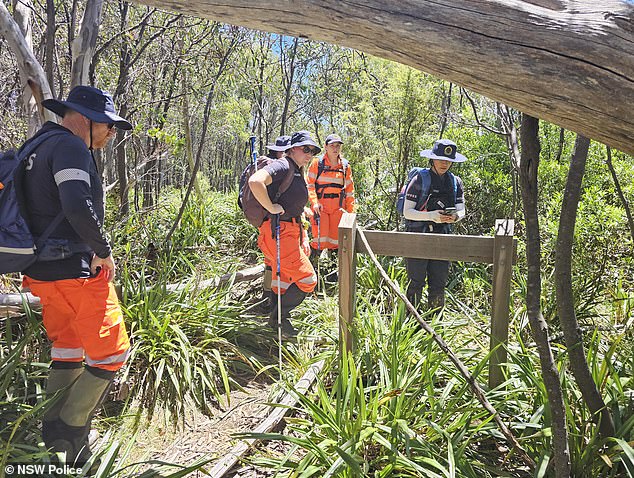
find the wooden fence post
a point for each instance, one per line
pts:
(503, 254)
(347, 278)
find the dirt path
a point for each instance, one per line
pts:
(207, 437)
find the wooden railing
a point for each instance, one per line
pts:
(498, 250)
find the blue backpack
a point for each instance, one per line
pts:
(17, 246)
(424, 197)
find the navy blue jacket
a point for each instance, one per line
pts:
(63, 177)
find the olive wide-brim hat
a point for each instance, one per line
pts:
(444, 149)
(95, 104)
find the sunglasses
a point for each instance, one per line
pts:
(309, 149)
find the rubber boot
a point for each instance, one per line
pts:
(266, 305)
(75, 417)
(435, 302)
(61, 376)
(290, 299)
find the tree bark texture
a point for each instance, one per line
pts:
(569, 62)
(34, 82)
(85, 42)
(529, 164)
(565, 298)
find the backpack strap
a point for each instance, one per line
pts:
(286, 183)
(425, 188)
(27, 148)
(23, 155)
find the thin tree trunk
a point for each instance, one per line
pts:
(446, 106)
(201, 144)
(565, 301)
(85, 42)
(529, 164)
(619, 191)
(189, 147)
(49, 47)
(288, 82)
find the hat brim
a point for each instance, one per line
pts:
(428, 153)
(274, 147)
(60, 107)
(307, 143)
(334, 142)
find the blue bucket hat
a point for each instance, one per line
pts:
(95, 104)
(282, 143)
(303, 138)
(444, 149)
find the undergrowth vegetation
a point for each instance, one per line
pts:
(395, 407)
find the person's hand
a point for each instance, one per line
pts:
(276, 209)
(449, 218)
(104, 265)
(317, 208)
(436, 216)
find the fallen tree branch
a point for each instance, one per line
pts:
(13, 303)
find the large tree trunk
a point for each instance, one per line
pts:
(565, 300)
(85, 42)
(35, 85)
(566, 61)
(529, 164)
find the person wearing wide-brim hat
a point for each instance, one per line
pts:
(75, 268)
(434, 201)
(277, 149)
(297, 276)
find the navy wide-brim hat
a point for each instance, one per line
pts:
(95, 104)
(444, 149)
(282, 143)
(303, 138)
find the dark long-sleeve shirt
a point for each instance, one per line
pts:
(62, 176)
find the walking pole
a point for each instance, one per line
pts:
(318, 219)
(254, 153)
(279, 293)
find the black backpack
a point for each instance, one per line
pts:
(253, 210)
(18, 248)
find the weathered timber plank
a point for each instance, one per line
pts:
(275, 416)
(565, 61)
(430, 246)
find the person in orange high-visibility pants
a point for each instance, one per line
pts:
(297, 276)
(75, 268)
(331, 193)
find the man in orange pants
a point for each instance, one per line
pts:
(75, 268)
(331, 193)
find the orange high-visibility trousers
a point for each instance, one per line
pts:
(83, 319)
(326, 233)
(295, 266)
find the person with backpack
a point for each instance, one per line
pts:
(73, 279)
(433, 202)
(275, 151)
(331, 193)
(284, 224)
